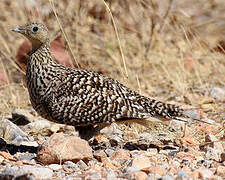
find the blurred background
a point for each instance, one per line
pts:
(170, 49)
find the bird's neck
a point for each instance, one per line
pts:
(41, 55)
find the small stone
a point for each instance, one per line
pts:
(120, 154)
(205, 173)
(205, 163)
(70, 165)
(175, 163)
(111, 175)
(146, 136)
(222, 156)
(13, 134)
(192, 114)
(17, 140)
(116, 131)
(111, 130)
(207, 107)
(1, 159)
(38, 172)
(129, 136)
(139, 175)
(55, 127)
(176, 125)
(214, 142)
(141, 162)
(30, 143)
(217, 93)
(182, 174)
(135, 153)
(55, 167)
(25, 156)
(172, 153)
(221, 171)
(99, 154)
(131, 169)
(212, 154)
(152, 151)
(155, 170)
(95, 176)
(22, 116)
(61, 148)
(38, 126)
(108, 163)
(168, 177)
(82, 164)
(109, 152)
(115, 139)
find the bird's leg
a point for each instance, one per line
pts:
(87, 132)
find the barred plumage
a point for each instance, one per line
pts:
(80, 97)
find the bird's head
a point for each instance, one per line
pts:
(37, 33)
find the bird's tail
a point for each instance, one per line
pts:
(160, 111)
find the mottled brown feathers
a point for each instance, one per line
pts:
(80, 97)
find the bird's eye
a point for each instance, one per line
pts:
(35, 29)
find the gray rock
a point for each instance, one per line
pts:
(135, 153)
(18, 140)
(82, 164)
(111, 175)
(14, 171)
(71, 177)
(193, 114)
(167, 177)
(205, 163)
(95, 176)
(109, 152)
(182, 174)
(55, 167)
(70, 165)
(26, 156)
(152, 176)
(20, 177)
(146, 136)
(176, 126)
(117, 132)
(131, 169)
(22, 116)
(12, 133)
(176, 162)
(21, 172)
(117, 138)
(172, 153)
(217, 93)
(38, 125)
(212, 154)
(38, 172)
(29, 143)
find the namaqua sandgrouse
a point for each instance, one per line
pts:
(80, 97)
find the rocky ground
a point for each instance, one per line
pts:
(173, 51)
(34, 148)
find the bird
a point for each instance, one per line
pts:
(80, 97)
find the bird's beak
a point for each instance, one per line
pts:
(19, 30)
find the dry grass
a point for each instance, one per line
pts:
(147, 42)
